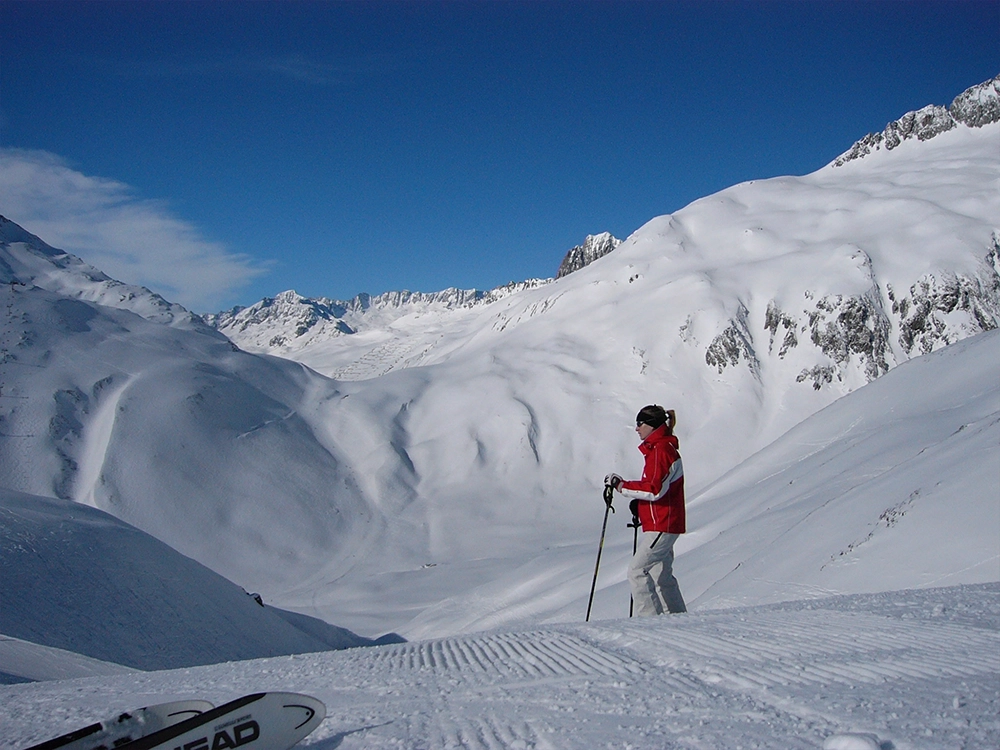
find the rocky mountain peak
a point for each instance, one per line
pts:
(979, 105)
(975, 107)
(594, 247)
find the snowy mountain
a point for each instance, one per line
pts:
(594, 247)
(301, 328)
(912, 288)
(28, 260)
(176, 432)
(448, 479)
(294, 326)
(975, 107)
(289, 322)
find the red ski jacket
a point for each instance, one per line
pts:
(660, 492)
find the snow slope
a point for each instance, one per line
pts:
(80, 580)
(463, 493)
(174, 432)
(24, 661)
(893, 486)
(912, 670)
(522, 413)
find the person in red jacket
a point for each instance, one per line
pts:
(658, 503)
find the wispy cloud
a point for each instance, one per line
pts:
(300, 69)
(291, 67)
(131, 239)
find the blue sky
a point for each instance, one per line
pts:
(222, 152)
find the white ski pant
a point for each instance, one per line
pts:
(654, 588)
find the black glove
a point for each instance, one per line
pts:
(613, 481)
(634, 507)
(609, 496)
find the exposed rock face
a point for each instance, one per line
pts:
(979, 105)
(844, 326)
(594, 247)
(974, 108)
(735, 343)
(938, 310)
(774, 319)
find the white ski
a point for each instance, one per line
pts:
(261, 721)
(126, 727)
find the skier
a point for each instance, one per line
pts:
(658, 503)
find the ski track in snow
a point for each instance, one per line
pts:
(909, 668)
(387, 356)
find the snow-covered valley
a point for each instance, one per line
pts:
(431, 465)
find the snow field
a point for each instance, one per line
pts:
(467, 478)
(910, 670)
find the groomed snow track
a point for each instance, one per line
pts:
(917, 669)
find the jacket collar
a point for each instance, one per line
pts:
(658, 435)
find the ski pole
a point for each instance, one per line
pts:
(635, 545)
(608, 497)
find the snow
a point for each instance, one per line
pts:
(910, 670)
(905, 464)
(852, 741)
(78, 581)
(24, 661)
(826, 341)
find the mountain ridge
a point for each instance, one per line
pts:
(29, 261)
(295, 315)
(975, 107)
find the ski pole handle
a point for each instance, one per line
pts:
(609, 496)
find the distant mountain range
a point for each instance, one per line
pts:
(274, 323)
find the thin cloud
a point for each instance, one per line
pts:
(306, 71)
(131, 239)
(293, 67)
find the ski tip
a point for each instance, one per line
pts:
(310, 711)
